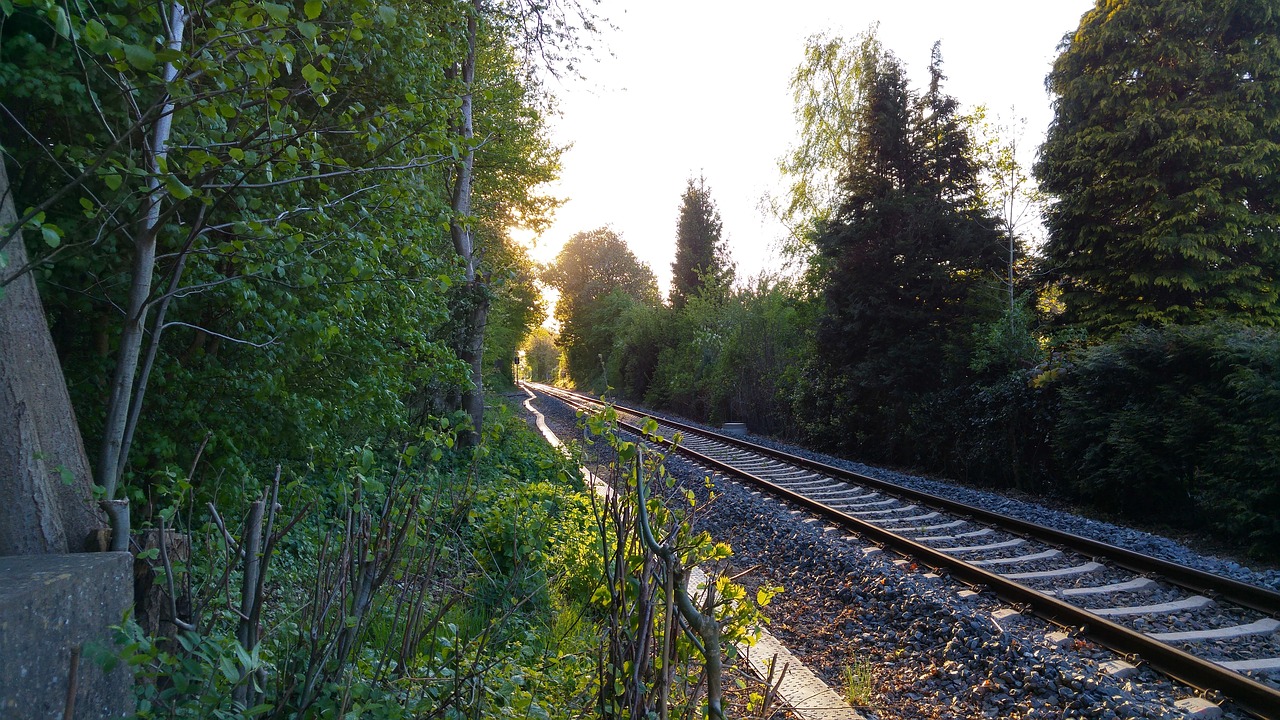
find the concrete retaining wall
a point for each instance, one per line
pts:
(50, 605)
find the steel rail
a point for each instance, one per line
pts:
(1252, 696)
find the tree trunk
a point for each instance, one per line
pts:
(46, 488)
(473, 355)
(111, 463)
(472, 349)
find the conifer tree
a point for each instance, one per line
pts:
(1162, 163)
(903, 256)
(701, 257)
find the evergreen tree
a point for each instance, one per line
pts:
(1162, 160)
(902, 263)
(701, 257)
(903, 254)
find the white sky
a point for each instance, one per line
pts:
(700, 87)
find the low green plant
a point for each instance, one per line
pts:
(368, 607)
(858, 683)
(667, 639)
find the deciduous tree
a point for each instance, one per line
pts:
(827, 91)
(598, 278)
(46, 496)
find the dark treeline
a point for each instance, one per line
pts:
(1128, 361)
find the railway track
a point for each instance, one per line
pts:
(1226, 639)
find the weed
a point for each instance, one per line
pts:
(858, 683)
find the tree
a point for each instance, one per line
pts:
(598, 278)
(826, 89)
(46, 498)
(701, 257)
(904, 261)
(479, 168)
(1013, 197)
(198, 165)
(1161, 165)
(542, 355)
(291, 235)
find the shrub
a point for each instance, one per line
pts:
(1182, 424)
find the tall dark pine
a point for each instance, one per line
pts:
(1162, 161)
(902, 262)
(908, 248)
(701, 258)
(947, 163)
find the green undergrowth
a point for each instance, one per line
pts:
(424, 581)
(434, 580)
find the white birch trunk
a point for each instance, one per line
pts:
(110, 467)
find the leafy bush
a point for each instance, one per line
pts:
(1179, 423)
(430, 581)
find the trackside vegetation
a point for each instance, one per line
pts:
(255, 261)
(1127, 360)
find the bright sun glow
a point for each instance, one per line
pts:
(701, 88)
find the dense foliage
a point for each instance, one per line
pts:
(276, 236)
(1161, 164)
(600, 281)
(904, 264)
(1183, 421)
(923, 334)
(304, 278)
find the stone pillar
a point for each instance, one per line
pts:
(52, 609)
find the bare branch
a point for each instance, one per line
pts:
(178, 323)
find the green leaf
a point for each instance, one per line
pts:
(308, 30)
(279, 13)
(94, 31)
(312, 9)
(52, 235)
(176, 187)
(387, 15)
(112, 181)
(60, 22)
(140, 57)
(310, 73)
(229, 670)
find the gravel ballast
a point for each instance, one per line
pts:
(931, 653)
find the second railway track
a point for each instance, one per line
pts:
(1119, 598)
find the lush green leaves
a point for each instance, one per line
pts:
(599, 279)
(1161, 161)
